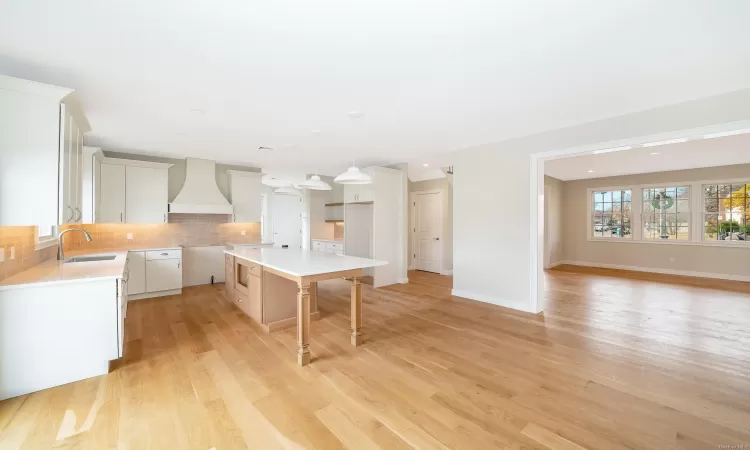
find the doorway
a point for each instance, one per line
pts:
(287, 221)
(427, 230)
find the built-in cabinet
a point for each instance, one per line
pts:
(153, 273)
(334, 212)
(41, 144)
(336, 248)
(132, 191)
(245, 189)
(359, 193)
(71, 167)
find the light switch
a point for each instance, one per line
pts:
(243, 232)
(130, 236)
(12, 253)
(2, 255)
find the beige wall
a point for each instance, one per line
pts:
(23, 241)
(441, 183)
(553, 221)
(688, 258)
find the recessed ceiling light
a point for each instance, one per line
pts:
(355, 114)
(591, 171)
(425, 165)
(315, 131)
(654, 153)
(610, 150)
(262, 148)
(197, 111)
(726, 133)
(670, 141)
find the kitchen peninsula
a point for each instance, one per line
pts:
(273, 285)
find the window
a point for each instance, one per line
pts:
(611, 214)
(46, 236)
(726, 212)
(666, 213)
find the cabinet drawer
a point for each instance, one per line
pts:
(318, 246)
(255, 271)
(163, 254)
(333, 247)
(240, 299)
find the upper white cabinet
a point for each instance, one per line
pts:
(112, 194)
(132, 191)
(245, 188)
(359, 193)
(41, 139)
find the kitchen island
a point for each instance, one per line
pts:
(277, 288)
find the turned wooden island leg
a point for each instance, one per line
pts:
(356, 312)
(303, 325)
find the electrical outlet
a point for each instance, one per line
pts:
(130, 236)
(2, 255)
(12, 253)
(243, 232)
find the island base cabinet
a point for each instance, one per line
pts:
(229, 278)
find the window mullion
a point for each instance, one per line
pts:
(636, 206)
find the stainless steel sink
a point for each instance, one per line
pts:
(91, 258)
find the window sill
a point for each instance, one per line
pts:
(674, 242)
(45, 243)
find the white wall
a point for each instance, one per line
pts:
(553, 221)
(494, 234)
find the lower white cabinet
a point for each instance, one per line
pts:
(163, 275)
(136, 273)
(336, 248)
(152, 273)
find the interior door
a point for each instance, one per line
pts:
(111, 202)
(427, 231)
(145, 195)
(287, 221)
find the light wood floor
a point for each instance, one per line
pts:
(614, 363)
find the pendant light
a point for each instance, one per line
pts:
(287, 190)
(315, 183)
(353, 175)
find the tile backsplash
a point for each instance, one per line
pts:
(182, 229)
(23, 241)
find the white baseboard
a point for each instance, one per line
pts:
(403, 280)
(492, 300)
(146, 295)
(448, 273)
(684, 273)
(555, 264)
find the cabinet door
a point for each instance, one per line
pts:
(136, 273)
(78, 186)
(365, 193)
(246, 198)
(229, 277)
(111, 196)
(351, 191)
(66, 211)
(146, 195)
(163, 275)
(254, 293)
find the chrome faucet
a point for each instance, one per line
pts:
(60, 253)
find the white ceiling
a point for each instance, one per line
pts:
(715, 152)
(217, 79)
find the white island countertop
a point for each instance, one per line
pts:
(54, 271)
(302, 263)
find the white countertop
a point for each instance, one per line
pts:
(302, 263)
(253, 244)
(54, 271)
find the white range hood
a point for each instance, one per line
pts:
(200, 194)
